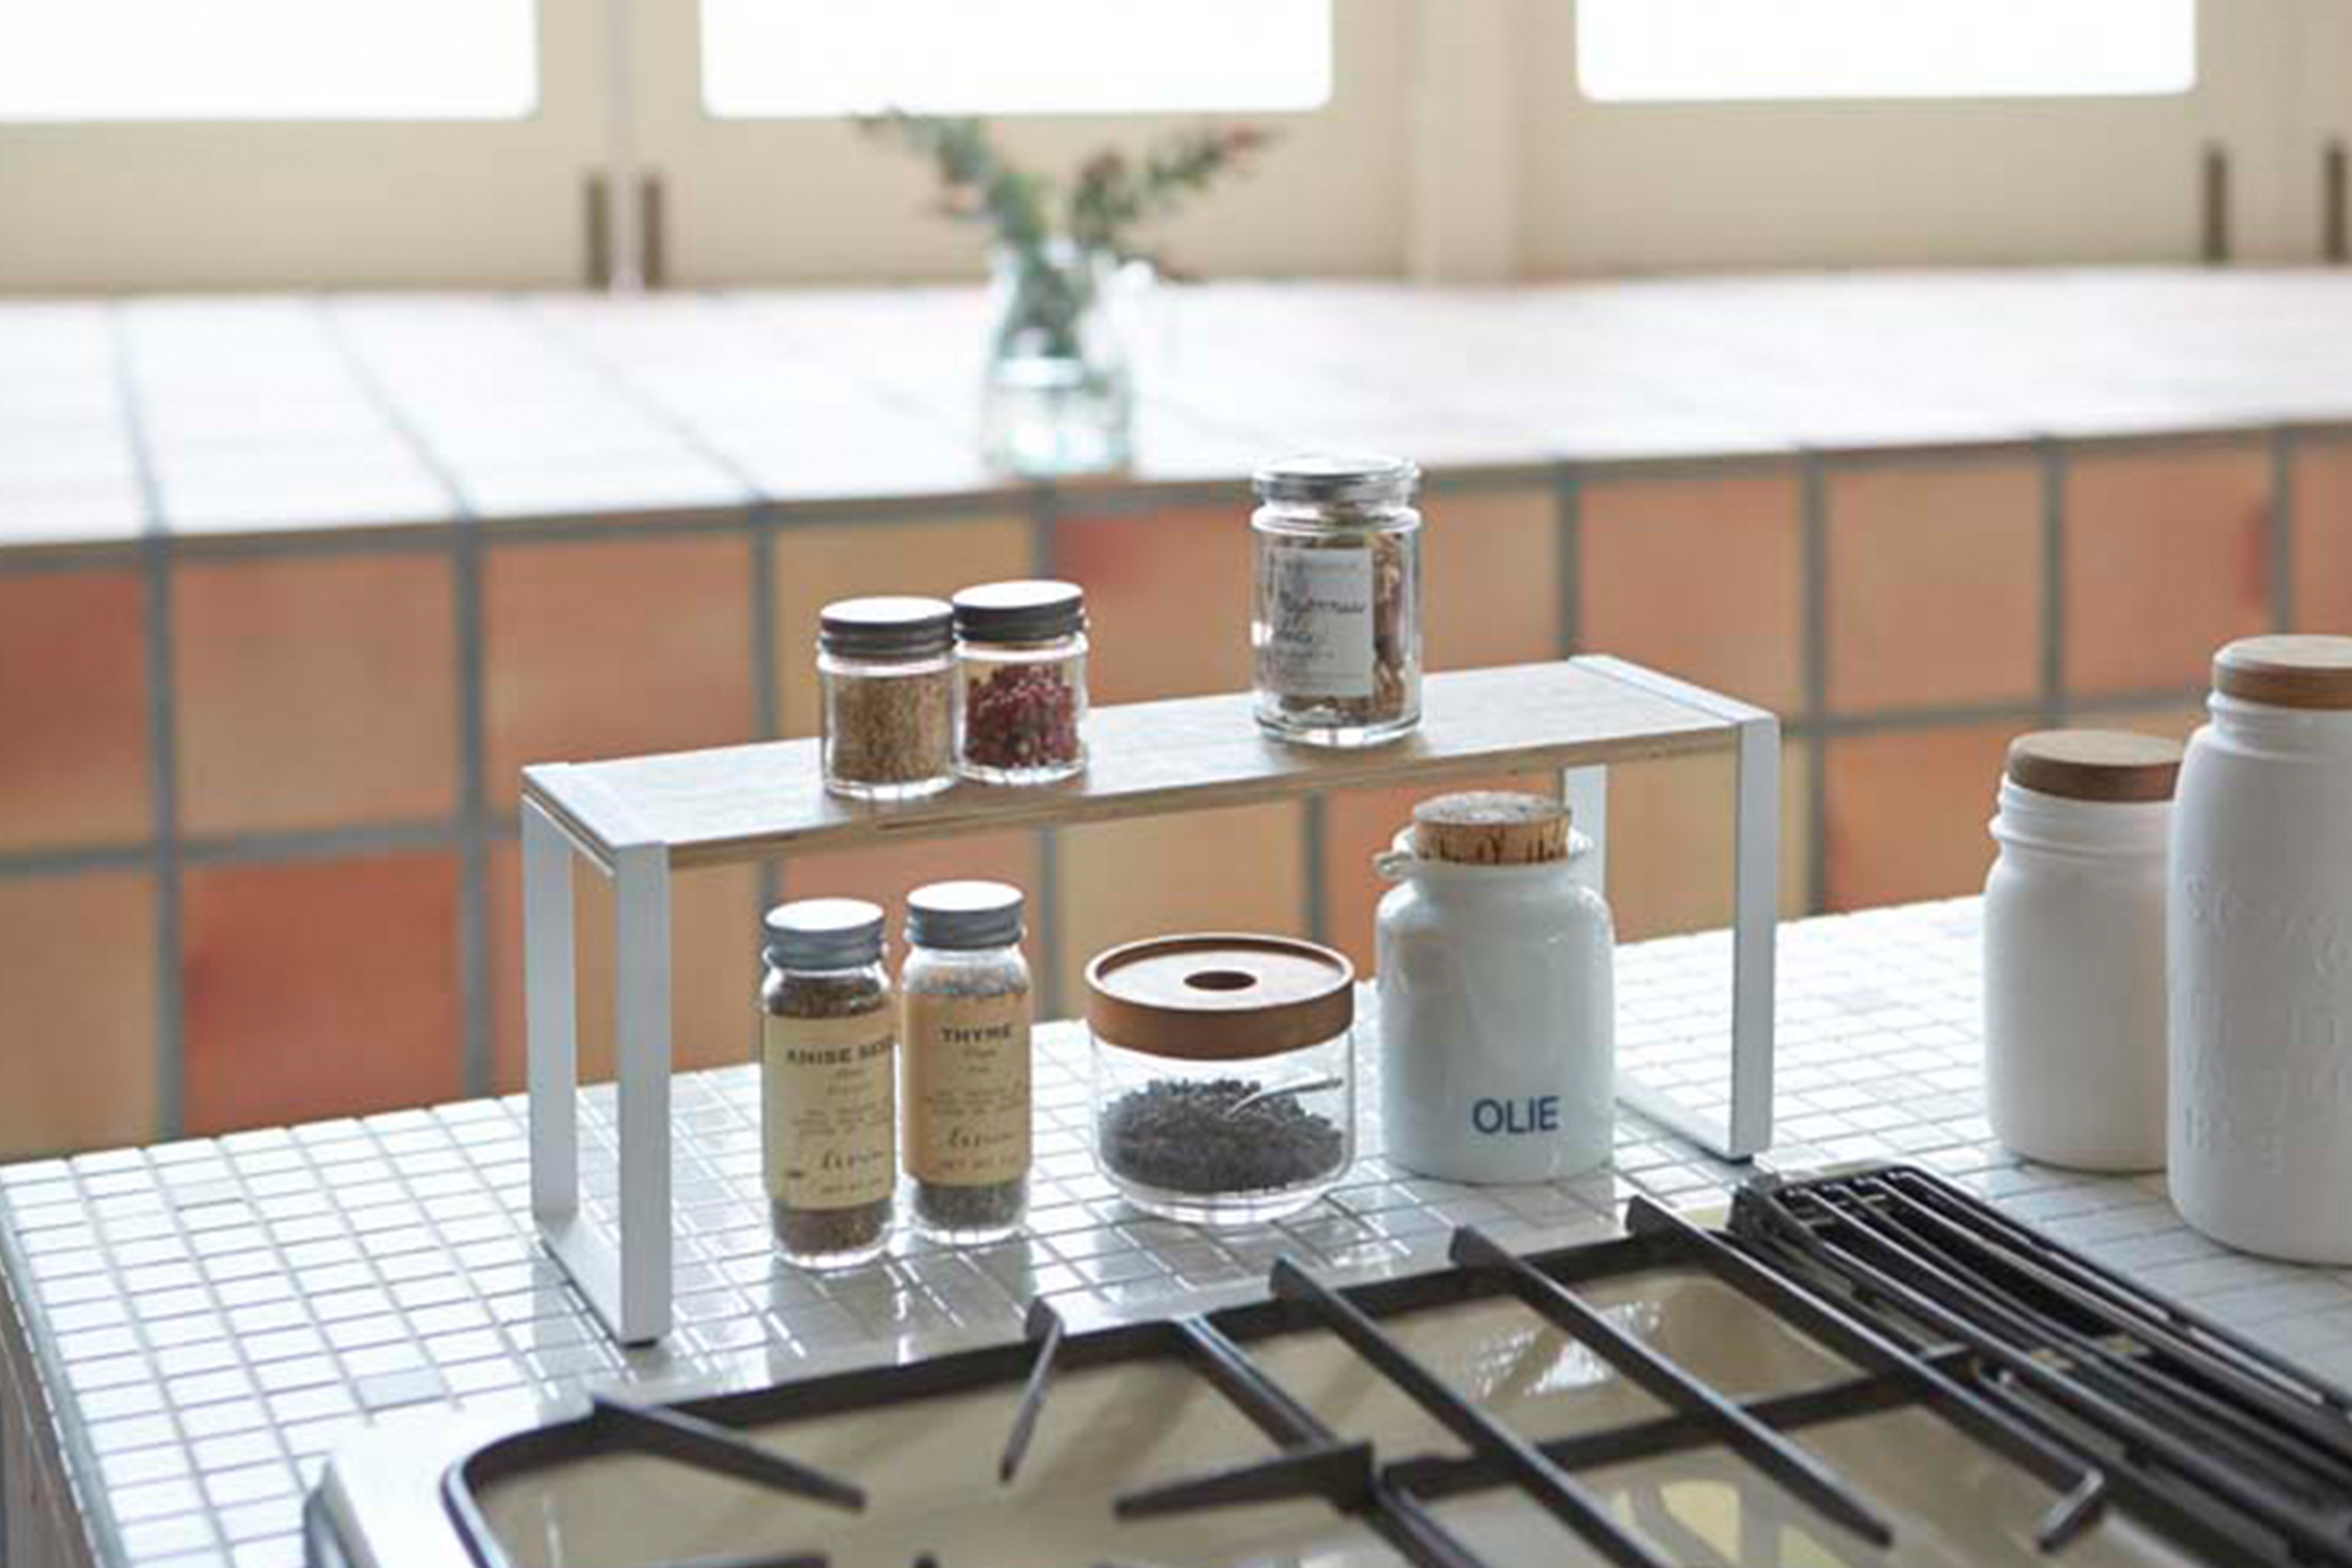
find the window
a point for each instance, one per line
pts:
(1685, 50)
(85, 59)
(770, 57)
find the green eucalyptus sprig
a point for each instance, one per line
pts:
(1113, 195)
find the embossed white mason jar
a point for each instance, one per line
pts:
(2260, 931)
(1497, 1003)
(2073, 949)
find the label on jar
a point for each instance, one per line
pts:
(1318, 609)
(829, 1110)
(967, 1088)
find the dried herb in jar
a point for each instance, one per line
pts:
(1021, 716)
(828, 1112)
(889, 694)
(1222, 1136)
(1023, 648)
(965, 1009)
(1337, 624)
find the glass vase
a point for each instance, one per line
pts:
(1059, 395)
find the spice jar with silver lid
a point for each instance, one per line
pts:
(1020, 649)
(1336, 626)
(887, 670)
(827, 1082)
(964, 1016)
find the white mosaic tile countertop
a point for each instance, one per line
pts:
(196, 1324)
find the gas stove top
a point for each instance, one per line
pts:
(1865, 1368)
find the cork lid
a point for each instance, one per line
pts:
(2288, 670)
(2095, 764)
(1490, 828)
(1219, 996)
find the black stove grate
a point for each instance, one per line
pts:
(2098, 1389)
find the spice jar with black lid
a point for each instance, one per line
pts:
(1021, 648)
(1224, 1075)
(964, 1010)
(827, 1082)
(887, 670)
(1335, 627)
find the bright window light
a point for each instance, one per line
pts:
(83, 60)
(1691, 50)
(767, 57)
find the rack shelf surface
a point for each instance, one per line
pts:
(747, 803)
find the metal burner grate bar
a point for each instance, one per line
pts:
(1547, 1482)
(2158, 1468)
(1791, 1466)
(1044, 1326)
(2263, 1427)
(1401, 1519)
(2082, 1485)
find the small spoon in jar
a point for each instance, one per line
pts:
(1305, 1086)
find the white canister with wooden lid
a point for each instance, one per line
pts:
(2261, 955)
(1498, 1011)
(2073, 949)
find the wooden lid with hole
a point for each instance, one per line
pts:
(2095, 764)
(1490, 828)
(1219, 996)
(2288, 670)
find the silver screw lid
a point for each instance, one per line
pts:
(824, 934)
(1356, 478)
(963, 914)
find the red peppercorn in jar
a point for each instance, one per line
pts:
(1020, 648)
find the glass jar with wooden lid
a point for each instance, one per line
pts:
(1224, 1074)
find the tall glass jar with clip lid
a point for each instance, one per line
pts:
(1336, 626)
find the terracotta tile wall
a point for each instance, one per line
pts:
(257, 856)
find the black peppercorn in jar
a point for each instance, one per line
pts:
(964, 1014)
(1336, 629)
(1021, 651)
(827, 1082)
(889, 697)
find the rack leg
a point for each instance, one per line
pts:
(1586, 792)
(641, 1028)
(1755, 899)
(549, 1024)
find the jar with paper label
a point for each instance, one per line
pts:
(827, 1082)
(964, 1012)
(1335, 627)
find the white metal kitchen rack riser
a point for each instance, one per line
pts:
(639, 820)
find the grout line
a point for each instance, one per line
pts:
(475, 1047)
(1568, 530)
(1813, 590)
(1314, 833)
(163, 745)
(1045, 554)
(2281, 535)
(2052, 457)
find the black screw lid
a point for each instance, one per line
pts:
(1026, 611)
(886, 626)
(963, 914)
(824, 934)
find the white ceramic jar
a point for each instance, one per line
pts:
(2073, 950)
(1498, 1011)
(2261, 955)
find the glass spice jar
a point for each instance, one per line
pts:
(1021, 647)
(889, 697)
(1336, 626)
(827, 1089)
(1224, 1074)
(964, 1010)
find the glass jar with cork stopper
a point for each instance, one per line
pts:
(1498, 1008)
